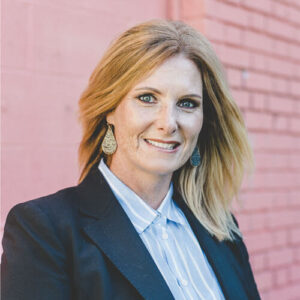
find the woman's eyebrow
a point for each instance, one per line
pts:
(151, 89)
(193, 96)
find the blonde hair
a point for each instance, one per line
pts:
(210, 188)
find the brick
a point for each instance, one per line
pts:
(233, 1)
(234, 77)
(279, 28)
(244, 222)
(264, 280)
(256, 21)
(280, 257)
(281, 123)
(259, 61)
(258, 120)
(257, 41)
(280, 10)
(280, 85)
(294, 197)
(259, 101)
(297, 107)
(259, 82)
(233, 35)
(278, 179)
(294, 52)
(280, 104)
(262, 6)
(280, 200)
(281, 276)
(296, 254)
(192, 8)
(295, 235)
(295, 124)
(258, 241)
(280, 219)
(258, 221)
(257, 201)
(294, 161)
(226, 12)
(280, 47)
(295, 272)
(213, 29)
(258, 262)
(294, 15)
(235, 57)
(271, 141)
(295, 84)
(280, 66)
(196, 23)
(252, 221)
(280, 238)
(289, 292)
(241, 97)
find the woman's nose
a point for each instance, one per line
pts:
(167, 120)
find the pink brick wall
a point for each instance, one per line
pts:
(50, 48)
(259, 44)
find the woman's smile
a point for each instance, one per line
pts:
(165, 146)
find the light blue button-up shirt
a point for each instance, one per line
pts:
(170, 240)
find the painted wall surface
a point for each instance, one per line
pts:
(49, 49)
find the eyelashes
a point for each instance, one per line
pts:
(188, 103)
(147, 98)
(184, 103)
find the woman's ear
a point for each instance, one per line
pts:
(110, 117)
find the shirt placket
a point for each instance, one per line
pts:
(173, 260)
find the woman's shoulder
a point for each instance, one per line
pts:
(61, 198)
(58, 208)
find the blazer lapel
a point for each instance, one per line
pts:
(112, 231)
(220, 258)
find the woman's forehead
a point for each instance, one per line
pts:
(177, 71)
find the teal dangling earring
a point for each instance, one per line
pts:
(195, 159)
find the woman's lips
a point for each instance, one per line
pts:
(169, 146)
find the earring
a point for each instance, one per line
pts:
(195, 159)
(109, 144)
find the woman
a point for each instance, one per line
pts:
(163, 154)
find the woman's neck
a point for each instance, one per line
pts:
(152, 188)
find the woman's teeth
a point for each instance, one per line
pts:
(167, 146)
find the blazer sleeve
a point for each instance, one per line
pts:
(33, 261)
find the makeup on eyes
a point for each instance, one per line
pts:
(149, 98)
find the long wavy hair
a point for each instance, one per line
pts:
(210, 188)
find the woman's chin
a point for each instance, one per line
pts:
(163, 168)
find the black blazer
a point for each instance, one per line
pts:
(79, 244)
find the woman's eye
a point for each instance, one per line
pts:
(187, 103)
(148, 98)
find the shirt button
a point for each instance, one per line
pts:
(165, 236)
(184, 282)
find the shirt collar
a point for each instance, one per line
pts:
(139, 212)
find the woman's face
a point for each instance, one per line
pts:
(157, 124)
